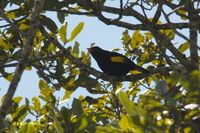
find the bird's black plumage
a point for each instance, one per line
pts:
(114, 63)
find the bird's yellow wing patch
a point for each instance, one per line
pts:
(118, 59)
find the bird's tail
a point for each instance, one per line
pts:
(142, 70)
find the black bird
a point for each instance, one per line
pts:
(113, 63)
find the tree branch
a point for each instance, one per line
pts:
(193, 35)
(158, 13)
(7, 103)
(16, 28)
(141, 18)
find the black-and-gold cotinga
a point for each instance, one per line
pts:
(113, 63)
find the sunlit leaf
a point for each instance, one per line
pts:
(28, 127)
(45, 89)
(137, 39)
(125, 123)
(125, 37)
(183, 47)
(148, 36)
(82, 125)
(11, 15)
(131, 108)
(4, 44)
(183, 12)
(31, 128)
(23, 26)
(156, 62)
(17, 99)
(28, 68)
(169, 33)
(66, 96)
(76, 31)
(63, 32)
(9, 77)
(168, 122)
(20, 113)
(108, 129)
(58, 126)
(36, 103)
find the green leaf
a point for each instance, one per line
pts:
(137, 39)
(28, 68)
(58, 126)
(128, 105)
(20, 113)
(9, 77)
(125, 37)
(17, 99)
(169, 33)
(27, 127)
(108, 129)
(183, 12)
(76, 31)
(11, 15)
(125, 123)
(131, 108)
(63, 32)
(183, 47)
(66, 96)
(4, 44)
(27, 102)
(23, 26)
(49, 23)
(82, 125)
(31, 128)
(161, 87)
(75, 50)
(87, 82)
(61, 17)
(45, 90)
(76, 107)
(36, 103)
(42, 84)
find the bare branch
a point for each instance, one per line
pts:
(141, 18)
(193, 35)
(158, 13)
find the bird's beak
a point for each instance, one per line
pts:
(89, 49)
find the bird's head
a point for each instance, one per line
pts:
(94, 49)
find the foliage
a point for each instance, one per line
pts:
(166, 101)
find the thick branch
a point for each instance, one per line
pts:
(142, 19)
(158, 13)
(163, 40)
(4, 110)
(193, 35)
